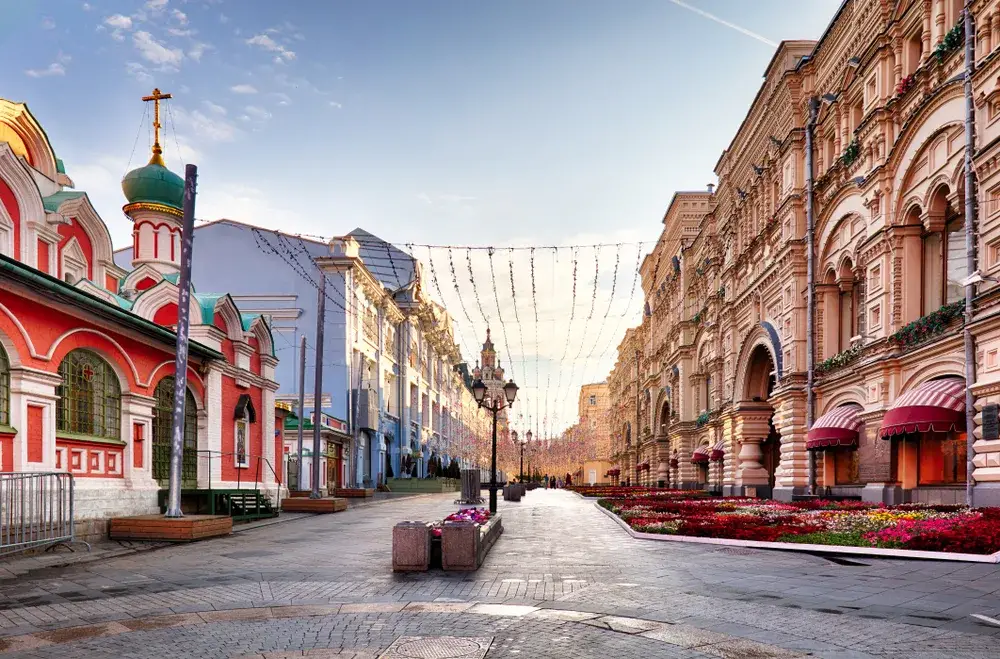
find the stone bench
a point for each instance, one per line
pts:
(463, 546)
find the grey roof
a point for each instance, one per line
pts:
(390, 265)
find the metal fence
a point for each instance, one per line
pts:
(36, 510)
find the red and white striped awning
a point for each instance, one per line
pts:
(838, 427)
(935, 406)
(718, 451)
(700, 455)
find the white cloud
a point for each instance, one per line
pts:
(243, 89)
(215, 107)
(212, 129)
(119, 24)
(54, 69)
(153, 51)
(223, 18)
(180, 16)
(87, 6)
(335, 104)
(197, 50)
(245, 204)
(283, 99)
(257, 113)
(269, 44)
(156, 5)
(48, 23)
(180, 32)
(138, 71)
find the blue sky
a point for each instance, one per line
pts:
(515, 122)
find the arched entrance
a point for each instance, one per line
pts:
(760, 450)
(163, 435)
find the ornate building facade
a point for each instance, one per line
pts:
(87, 347)
(722, 357)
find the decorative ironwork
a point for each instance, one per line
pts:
(4, 388)
(163, 433)
(89, 399)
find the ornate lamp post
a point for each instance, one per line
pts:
(527, 438)
(494, 406)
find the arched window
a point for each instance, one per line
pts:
(945, 262)
(163, 418)
(89, 397)
(4, 388)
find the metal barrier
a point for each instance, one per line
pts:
(36, 510)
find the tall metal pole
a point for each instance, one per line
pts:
(181, 359)
(302, 408)
(635, 435)
(810, 286)
(318, 395)
(970, 252)
(493, 460)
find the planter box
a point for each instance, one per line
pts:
(353, 492)
(512, 493)
(464, 545)
(411, 547)
(159, 528)
(306, 505)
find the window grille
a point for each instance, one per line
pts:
(163, 418)
(89, 398)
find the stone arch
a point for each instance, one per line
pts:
(112, 352)
(194, 379)
(9, 337)
(763, 335)
(83, 212)
(850, 395)
(27, 197)
(230, 314)
(261, 331)
(942, 366)
(156, 297)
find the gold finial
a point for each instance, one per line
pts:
(157, 158)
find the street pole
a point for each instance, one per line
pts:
(493, 462)
(302, 408)
(970, 252)
(810, 288)
(181, 359)
(522, 462)
(318, 395)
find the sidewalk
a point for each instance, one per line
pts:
(62, 556)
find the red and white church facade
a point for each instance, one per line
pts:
(87, 348)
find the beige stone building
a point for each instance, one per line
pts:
(711, 389)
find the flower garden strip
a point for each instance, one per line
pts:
(942, 532)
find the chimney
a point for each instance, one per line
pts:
(711, 188)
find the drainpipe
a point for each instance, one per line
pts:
(970, 251)
(811, 286)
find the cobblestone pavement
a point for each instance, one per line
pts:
(562, 581)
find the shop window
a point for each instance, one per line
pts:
(845, 467)
(4, 388)
(941, 459)
(956, 264)
(89, 397)
(702, 473)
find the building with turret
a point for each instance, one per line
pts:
(87, 346)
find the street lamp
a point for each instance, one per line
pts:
(527, 438)
(494, 406)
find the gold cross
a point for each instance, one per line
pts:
(156, 97)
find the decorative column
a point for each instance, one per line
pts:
(730, 459)
(662, 457)
(752, 429)
(792, 474)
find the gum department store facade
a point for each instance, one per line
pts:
(709, 391)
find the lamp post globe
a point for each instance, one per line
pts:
(479, 390)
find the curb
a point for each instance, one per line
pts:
(807, 549)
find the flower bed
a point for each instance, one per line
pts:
(619, 491)
(953, 529)
(475, 515)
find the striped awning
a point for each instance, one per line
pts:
(718, 451)
(935, 406)
(700, 455)
(838, 427)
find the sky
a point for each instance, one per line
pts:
(430, 122)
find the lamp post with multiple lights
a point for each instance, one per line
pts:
(494, 405)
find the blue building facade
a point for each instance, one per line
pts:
(390, 365)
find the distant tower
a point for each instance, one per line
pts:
(155, 205)
(490, 372)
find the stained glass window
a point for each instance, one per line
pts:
(89, 398)
(4, 388)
